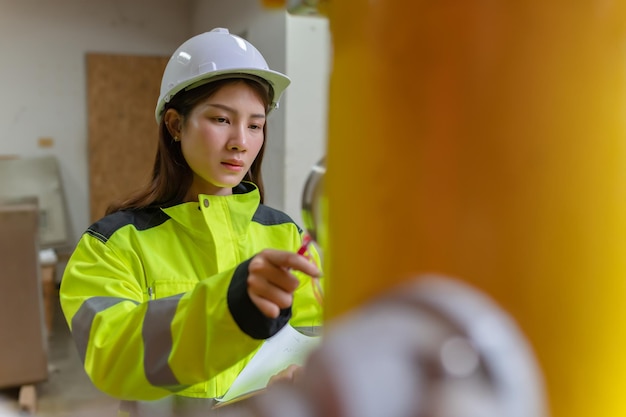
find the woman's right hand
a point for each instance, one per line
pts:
(271, 283)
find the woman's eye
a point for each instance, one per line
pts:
(254, 127)
(220, 119)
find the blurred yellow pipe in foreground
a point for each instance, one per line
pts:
(486, 141)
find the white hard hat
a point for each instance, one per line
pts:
(217, 53)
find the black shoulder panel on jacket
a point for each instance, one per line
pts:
(143, 219)
(268, 216)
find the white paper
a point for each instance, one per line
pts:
(285, 348)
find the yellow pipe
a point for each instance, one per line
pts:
(487, 141)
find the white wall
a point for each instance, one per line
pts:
(42, 71)
(268, 32)
(308, 64)
(236, 15)
(300, 47)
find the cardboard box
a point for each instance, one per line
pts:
(49, 292)
(23, 341)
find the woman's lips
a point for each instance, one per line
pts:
(233, 164)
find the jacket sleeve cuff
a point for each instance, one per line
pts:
(247, 316)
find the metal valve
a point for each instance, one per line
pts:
(434, 347)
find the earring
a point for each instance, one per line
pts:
(176, 139)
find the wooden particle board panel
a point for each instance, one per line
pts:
(122, 91)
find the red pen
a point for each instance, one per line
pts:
(306, 241)
(315, 282)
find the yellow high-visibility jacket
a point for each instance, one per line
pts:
(157, 302)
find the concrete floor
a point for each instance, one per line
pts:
(68, 392)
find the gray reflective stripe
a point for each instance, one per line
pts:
(83, 319)
(174, 405)
(157, 341)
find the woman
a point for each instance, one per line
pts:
(174, 290)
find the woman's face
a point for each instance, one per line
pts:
(221, 138)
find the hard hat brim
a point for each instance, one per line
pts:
(276, 80)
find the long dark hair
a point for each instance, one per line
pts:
(171, 175)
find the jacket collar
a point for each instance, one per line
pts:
(208, 214)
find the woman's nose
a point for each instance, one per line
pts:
(238, 140)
